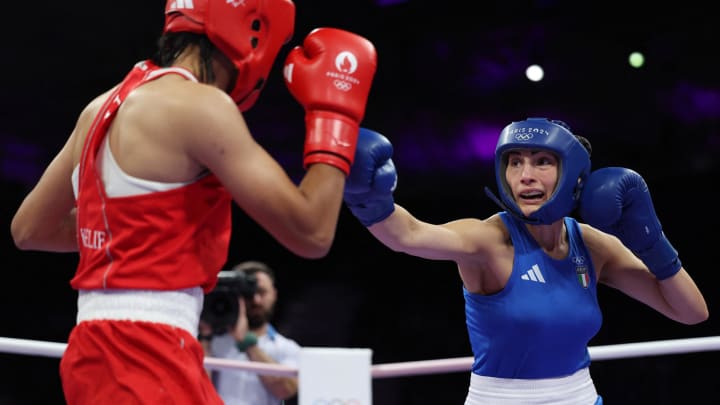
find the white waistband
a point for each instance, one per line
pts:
(574, 389)
(180, 308)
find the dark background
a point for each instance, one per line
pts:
(450, 76)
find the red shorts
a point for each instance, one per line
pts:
(124, 362)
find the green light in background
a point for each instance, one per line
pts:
(636, 59)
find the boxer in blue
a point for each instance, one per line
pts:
(530, 272)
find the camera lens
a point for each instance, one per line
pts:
(220, 310)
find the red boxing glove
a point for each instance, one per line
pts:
(330, 75)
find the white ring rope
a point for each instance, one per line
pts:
(608, 352)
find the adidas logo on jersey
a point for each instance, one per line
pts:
(533, 274)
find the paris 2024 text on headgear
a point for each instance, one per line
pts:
(574, 159)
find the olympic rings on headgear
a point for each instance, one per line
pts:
(574, 161)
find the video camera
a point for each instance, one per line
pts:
(220, 307)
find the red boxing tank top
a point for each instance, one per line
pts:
(166, 240)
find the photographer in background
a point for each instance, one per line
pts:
(235, 324)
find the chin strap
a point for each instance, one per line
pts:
(507, 209)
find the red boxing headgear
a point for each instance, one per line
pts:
(248, 32)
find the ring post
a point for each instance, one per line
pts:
(335, 376)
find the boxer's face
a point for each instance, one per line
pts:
(532, 175)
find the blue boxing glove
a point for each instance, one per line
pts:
(369, 186)
(616, 200)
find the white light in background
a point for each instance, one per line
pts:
(534, 73)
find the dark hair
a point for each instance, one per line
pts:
(172, 44)
(251, 267)
(585, 143)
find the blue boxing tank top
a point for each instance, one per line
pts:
(540, 324)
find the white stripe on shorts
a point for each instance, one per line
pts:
(179, 308)
(575, 389)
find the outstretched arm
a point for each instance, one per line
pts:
(402, 232)
(369, 195)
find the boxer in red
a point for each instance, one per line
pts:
(143, 188)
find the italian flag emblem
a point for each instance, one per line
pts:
(582, 276)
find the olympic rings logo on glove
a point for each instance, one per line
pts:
(336, 401)
(342, 85)
(523, 136)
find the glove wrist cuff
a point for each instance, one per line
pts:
(661, 258)
(330, 138)
(372, 212)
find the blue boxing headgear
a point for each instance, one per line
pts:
(574, 164)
